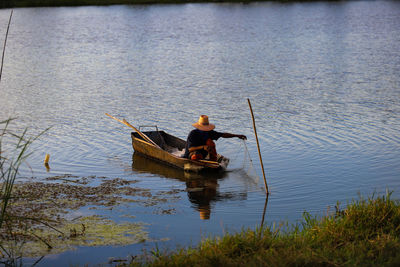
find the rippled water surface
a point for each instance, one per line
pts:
(323, 78)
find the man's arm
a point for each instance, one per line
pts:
(224, 135)
(194, 148)
(229, 135)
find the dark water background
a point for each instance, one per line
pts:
(323, 78)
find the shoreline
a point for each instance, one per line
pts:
(65, 3)
(365, 233)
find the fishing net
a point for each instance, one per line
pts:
(244, 165)
(247, 165)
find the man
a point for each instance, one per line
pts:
(200, 143)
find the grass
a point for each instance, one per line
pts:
(13, 152)
(10, 163)
(366, 233)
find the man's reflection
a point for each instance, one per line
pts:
(201, 192)
(201, 188)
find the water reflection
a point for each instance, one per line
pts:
(202, 189)
(201, 193)
(265, 209)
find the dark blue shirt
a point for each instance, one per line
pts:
(199, 138)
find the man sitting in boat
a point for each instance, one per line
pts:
(200, 144)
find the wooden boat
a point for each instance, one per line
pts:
(168, 149)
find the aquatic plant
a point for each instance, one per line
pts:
(84, 231)
(13, 152)
(10, 162)
(365, 233)
(44, 212)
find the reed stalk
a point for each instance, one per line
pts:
(4, 46)
(14, 150)
(10, 162)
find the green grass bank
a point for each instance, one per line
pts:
(366, 233)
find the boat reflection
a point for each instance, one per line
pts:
(202, 188)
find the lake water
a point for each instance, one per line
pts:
(323, 78)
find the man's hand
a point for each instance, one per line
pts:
(241, 136)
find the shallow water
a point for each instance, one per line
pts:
(323, 79)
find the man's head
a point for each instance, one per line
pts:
(203, 124)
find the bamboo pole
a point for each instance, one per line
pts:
(215, 163)
(4, 46)
(258, 147)
(145, 137)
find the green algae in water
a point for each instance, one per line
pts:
(41, 221)
(85, 231)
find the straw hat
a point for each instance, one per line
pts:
(203, 124)
(205, 213)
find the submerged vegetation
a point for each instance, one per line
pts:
(366, 233)
(59, 214)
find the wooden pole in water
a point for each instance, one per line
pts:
(258, 146)
(5, 42)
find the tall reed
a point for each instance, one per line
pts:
(13, 152)
(10, 161)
